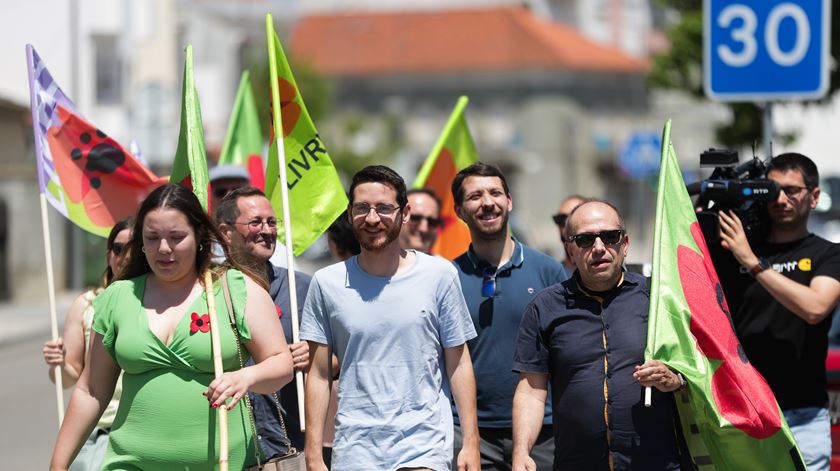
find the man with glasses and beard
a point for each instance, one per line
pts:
(587, 336)
(782, 297)
(421, 231)
(398, 323)
(499, 276)
(247, 222)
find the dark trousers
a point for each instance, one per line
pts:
(497, 448)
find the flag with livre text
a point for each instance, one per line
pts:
(316, 195)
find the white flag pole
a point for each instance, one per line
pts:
(290, 259)
(59, 387)
(287, 222)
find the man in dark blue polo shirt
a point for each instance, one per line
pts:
(499, 277)
(587, 336)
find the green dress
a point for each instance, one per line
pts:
(163, 421)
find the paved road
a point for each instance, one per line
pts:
(28, 417)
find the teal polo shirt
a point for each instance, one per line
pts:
(496, 319)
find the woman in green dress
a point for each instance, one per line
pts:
(153, 326)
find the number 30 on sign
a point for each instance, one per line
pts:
(765, 50)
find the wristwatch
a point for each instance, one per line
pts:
(759, 267)
(682, 380)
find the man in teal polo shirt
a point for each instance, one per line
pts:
(499, 277)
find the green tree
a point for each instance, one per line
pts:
(681, 67)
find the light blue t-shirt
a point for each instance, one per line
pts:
(389, 334)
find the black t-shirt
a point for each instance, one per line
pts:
(786, 350)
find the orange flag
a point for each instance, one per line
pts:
(453, 151)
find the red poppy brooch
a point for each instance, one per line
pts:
(200, 323)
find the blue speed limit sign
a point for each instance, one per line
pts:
(764, 50)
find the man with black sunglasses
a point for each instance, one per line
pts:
(424, 223)
(499, 276)
(586, 337)
(566, 207)
(224, 179)
(781, 293)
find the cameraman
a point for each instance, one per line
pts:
(788, 286)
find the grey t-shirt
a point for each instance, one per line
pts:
(389, 334)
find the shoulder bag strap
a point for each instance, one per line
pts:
(235, 328)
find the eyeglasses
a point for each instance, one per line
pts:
(117, 248)
(363, 209)
(433, 223)
(488, 283)
(257, 224)
(587, 239)
(793, 190)
(560, 219)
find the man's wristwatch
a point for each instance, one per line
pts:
(682, 380)
(759, 267)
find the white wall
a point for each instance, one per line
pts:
(818, 128)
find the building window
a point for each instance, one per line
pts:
(108, 70)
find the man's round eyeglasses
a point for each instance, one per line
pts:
(257, 224)
(363, 209)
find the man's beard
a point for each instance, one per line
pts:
(792, 222)
(486, 233)
(391, 234)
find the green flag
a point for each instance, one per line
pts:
(316, 196)
(729, 415)
(190, 166)
(243, 140)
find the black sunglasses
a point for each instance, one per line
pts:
(223, 191)
(587, 239)
(433, 223)
(117, 248)
(560, 219)
(488, 283)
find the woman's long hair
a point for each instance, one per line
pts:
(179, 198)
(108, 276)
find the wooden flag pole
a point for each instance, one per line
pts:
(284, 191)
(216, 344)
(59, 386)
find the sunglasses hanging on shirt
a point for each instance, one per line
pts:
(488, 283)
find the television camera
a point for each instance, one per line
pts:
(742, 188)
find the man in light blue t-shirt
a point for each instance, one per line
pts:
(398, 322)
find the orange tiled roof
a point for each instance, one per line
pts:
(469, 40)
